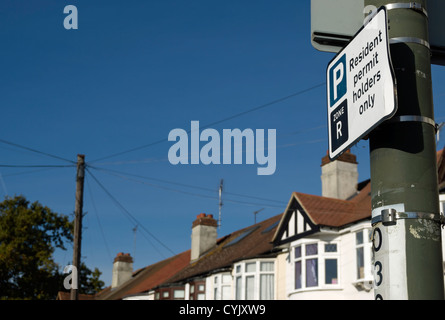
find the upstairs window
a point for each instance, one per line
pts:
(315, 265)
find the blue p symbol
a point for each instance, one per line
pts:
(337, 80)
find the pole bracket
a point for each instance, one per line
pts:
(410, 40)
(420, 119)
(411, 5)
(389, 217)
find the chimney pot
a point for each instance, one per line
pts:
(123, 257)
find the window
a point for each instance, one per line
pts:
(359, 243)
(240, 237)
(331, 265)
(222, 285)
(250, 287)
(266, 280)
(255, 280)
(298, 270)
(315, 265)
(363, 253)
(306, 266)
(250, 269)
(238, 288)
(312, 265)
(331, 271)
(201, 294)
(179, 294)
(197, 290)
(176, 293)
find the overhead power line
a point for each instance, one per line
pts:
(187, 185)
(35, 151)
(194, 194)
(268, 104)
(129, 216)
(98, 221)
(35, 166)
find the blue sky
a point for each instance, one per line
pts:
(132, 72)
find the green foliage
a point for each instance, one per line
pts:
(90, 282)
(29, 235)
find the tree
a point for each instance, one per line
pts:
(29, 235)
(89, 281)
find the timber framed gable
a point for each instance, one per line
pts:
(295, 224)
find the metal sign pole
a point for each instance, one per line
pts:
(406, 218)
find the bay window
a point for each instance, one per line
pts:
(331, 263)
(363, 253)
(222, 286)
(255, 280)
(315, 265)
(360, 255)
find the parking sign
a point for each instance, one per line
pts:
(361, 86)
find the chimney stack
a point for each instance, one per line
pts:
(339, 178)
(203, 235)
(122, 269)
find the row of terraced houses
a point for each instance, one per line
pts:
(318, 248)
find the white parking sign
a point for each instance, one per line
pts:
(361, 88)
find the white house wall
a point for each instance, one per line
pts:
(281, 275)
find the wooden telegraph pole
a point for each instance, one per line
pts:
(78, 222)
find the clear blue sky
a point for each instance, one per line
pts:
(132, 72)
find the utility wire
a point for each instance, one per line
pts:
(152, 160)
(35, 166)
(98, 220)
(268, 104)
(129, 215)
(35, 151)
(27, 172)
(187, 185)
(196, 194)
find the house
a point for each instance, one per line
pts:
(325, 239)
(318, 248)
(226, 268)
(309, 249)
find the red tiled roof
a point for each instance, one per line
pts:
(329, 212)
(335, 212)
(148, 278)
(257, 242)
